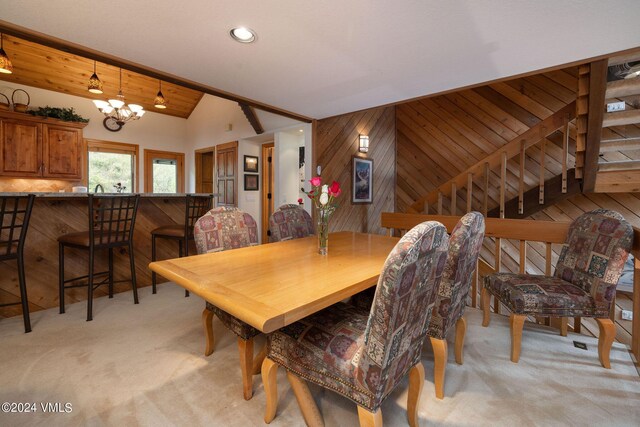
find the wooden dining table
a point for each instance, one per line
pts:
(273, 285)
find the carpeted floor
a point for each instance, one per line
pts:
(143, 365)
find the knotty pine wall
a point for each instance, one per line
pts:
(336, 142)
(439, 137)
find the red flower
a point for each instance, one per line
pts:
(300, 200)
(315, 181)
(334, 189)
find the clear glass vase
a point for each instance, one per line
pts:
(323, 233)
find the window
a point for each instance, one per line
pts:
(164, 172)
(112, 166)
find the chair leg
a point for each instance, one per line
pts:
(110, 272)
(257, 361)
(564, 326)
(186, 253)
(577, 325)
(61, 276)
(368, 418)
(134, 284)
(439, 364)
(310, 413)
(23, 294)
(461, 330)
(486, 306)
(207, 322)
(416, 382)
(153, 258)
(269, 379)
(90, 287)
(605, 340)
(245, 347)
(517, 323)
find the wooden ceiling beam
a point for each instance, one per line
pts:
(76, 49)
(251, 116)
(597, 87)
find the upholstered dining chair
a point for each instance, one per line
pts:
(221, 229)
(364, 355)
(464, 247)
(289, 222)
(583, 285)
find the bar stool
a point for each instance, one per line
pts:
(111, 222)
(15, 212)
(195, 207)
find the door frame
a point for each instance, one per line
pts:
(266, 185)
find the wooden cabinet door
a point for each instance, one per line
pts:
(62, 152)
(226, 174)
(21, 154)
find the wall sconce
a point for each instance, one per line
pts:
(363, 147)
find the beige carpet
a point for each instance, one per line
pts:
(143, 365)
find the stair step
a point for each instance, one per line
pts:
(619, 144)
(621, 88)
(623, 165)
(621, 118)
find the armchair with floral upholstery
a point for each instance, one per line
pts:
(584, 283)
(221, 229)
(364, 355)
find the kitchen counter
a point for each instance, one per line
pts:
(55, 214)
(81, 195)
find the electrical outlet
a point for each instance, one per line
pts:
(626, 315)
(615, 106)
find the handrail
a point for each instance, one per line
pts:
(514, 147)
(525, 231)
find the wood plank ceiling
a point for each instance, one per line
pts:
(51, 69)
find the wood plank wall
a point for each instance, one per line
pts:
(52, 218)
(441, 136)
(337, 142)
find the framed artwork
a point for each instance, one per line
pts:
(362, 180)
(250, 182)
(250, 164)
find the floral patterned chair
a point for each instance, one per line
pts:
(583, 285)
(364, 355)
(464, 247)
(221, 229)
(289, 222)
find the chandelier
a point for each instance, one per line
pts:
(117, 109)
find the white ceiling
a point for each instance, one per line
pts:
(322, 58)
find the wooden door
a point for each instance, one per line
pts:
(267, 188)
(21, 153)
(204, 171)
(226, 174)
(62, 152)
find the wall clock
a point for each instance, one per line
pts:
(111, 124)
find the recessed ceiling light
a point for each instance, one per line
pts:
(243, 34)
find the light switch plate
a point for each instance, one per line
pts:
(626, 315)
(615, 106)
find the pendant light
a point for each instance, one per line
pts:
(95, 85)
(160, 102)
(6, 67)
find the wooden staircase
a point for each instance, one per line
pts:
(478, 174)
(608, 143)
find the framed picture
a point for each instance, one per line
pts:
(362, 180)
(250, 164)
(250, 182)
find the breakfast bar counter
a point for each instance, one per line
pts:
(55, 214)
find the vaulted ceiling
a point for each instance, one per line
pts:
(328, 57)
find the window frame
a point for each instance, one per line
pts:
(101, 146)
(149, 155)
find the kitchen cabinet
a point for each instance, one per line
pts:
(33, 147)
